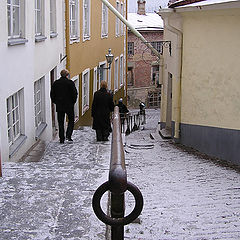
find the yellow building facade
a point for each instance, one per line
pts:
(201, 90)
(91, 30)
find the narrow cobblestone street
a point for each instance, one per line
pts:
(187, 195)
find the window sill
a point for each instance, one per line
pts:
(85, 108)
(40, 38)
(40, 129)
(16, 145)
(104, 36)
(16, 41)
(86, 38)
(53, 35)
(74, 40)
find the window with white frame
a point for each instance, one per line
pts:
(86, 19)
(122, 25)
(76, 105)
(95, 80)
(85, 90)
(116, 63)
(74, 19)
(39, 103)
(13, 118)
(102, 72)
(104, 20)
(121, 70)
(53, 16)
(39, 17)
(16, 20)
(117, 28)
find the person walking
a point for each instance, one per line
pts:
(102, 106)
(122, 108)
(64, 95)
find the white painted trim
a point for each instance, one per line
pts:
(85, 108)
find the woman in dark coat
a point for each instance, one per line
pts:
(102, 106)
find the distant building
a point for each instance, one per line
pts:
(200, 101)
(151, 5)
(143, 66)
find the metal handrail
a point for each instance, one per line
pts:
(117, 184)
(132, 121)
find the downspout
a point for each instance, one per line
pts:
(177, 108)
(130, 26)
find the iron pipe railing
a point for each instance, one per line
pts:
(117, 185)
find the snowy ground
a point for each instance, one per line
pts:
(187, 195)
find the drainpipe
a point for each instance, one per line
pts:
(177, 108)
(130, 26)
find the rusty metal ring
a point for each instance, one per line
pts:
(117, 221)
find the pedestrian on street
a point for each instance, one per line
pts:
(122, 108)
(64, 95)
(102, 106)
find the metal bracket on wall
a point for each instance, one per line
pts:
(166, 44)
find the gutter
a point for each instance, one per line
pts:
(177, 108)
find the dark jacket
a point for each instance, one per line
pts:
(101, 107)
(64, 94)
(122, 108)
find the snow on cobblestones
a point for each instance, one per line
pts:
(187, 195)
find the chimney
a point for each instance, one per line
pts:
(141, 7)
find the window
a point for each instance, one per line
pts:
(157, 46)
(130, 48)
(121, 70)
(16, 22)
(53, 25)
(95, 80)
(130, 76)
(86, 19)
(39, 20)
(39, 106)
(116, 74)
(15, 115)
(117, 21)
(102, 72)
(74, 20)
(155, 75)
(104, 20)
(122, 25)
(76, 105)
(85, 90)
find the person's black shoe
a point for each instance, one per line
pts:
(69, 140)
(61, 140)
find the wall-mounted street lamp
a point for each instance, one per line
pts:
(109, 58)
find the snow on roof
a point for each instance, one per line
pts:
(205, 3)
(150, 21)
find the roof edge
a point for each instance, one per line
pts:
(183, 3)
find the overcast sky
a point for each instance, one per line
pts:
(151, 5)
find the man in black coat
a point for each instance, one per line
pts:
(102, 106)
(64, 95)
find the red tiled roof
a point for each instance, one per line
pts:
(183, 2)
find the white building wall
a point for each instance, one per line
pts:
(21, 65)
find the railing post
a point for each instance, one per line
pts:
(117, 211)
